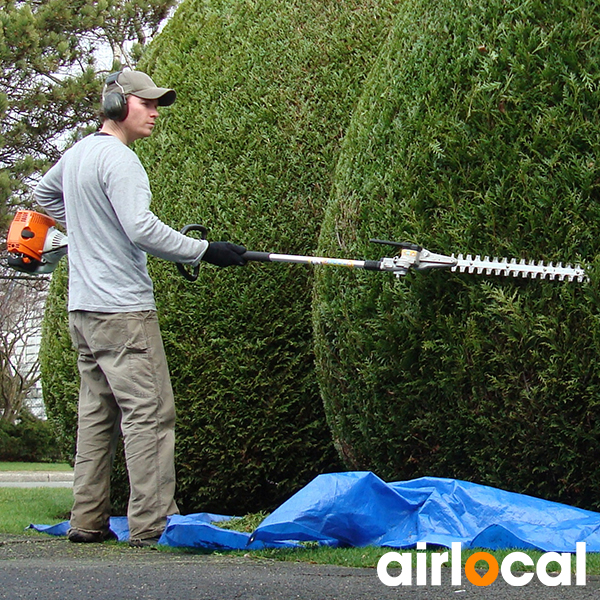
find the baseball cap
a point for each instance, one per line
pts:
(139, 84)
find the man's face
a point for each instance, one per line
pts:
(141, 117)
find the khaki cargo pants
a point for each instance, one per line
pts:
(125, 388)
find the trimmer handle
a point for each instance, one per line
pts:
(191, 276)
(257, 256)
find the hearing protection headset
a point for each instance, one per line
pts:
(114, 104)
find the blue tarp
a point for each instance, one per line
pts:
(190, 531)
(197, 531)
(118, 525)
(359, 509)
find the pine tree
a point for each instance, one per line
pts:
(49, 83)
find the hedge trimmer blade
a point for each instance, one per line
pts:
(512, 268)
(420, 259)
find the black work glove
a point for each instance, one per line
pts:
(224, 254)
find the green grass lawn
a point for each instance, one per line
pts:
(23, 466)
(20, 507)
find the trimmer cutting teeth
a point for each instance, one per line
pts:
(513, 268)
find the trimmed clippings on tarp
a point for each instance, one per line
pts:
(359, 509)
(198, 531)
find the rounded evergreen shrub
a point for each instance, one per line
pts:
(265, 91)
(58, 364)
(28, 439)
(478, 131)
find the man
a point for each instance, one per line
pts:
(100, 191)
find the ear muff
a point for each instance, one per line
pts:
(114, 104)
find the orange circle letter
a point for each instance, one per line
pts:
(472, 574)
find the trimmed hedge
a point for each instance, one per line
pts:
(58, 364)
(478, 131)
(265, 92)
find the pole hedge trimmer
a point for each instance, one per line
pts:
(417, 258)
(36, 246)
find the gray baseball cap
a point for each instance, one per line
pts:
(139, 84)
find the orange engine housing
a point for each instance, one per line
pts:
(27, 234)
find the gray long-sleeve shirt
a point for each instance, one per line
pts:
(100, 191)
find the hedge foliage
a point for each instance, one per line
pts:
(478, 131)
(265, 90)
(29, 439)
(58, 364)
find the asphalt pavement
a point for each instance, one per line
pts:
(35, 566)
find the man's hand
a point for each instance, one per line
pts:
(224, 254)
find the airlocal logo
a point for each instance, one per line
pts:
(438, 559)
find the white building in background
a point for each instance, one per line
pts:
(35, 398)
